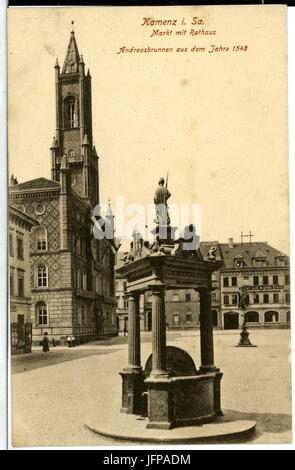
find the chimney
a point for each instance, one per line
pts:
(230, 242)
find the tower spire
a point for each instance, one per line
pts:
(72, 59)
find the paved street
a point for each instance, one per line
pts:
(54, 394)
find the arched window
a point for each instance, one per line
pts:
(70, 112)
(42, 276)
(84, 280)
(41, 239)
(79, 279)
(252, 317)
(42, 316)
(79, 246)
(271, 317)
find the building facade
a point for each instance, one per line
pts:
(71, 272)
(259, 273)
(20, 226)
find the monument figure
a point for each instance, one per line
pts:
(161, 196)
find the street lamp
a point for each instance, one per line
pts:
(244, 335)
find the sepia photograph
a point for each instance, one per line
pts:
(148, 221)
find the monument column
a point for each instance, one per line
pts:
(132, 377)
(206, 331)
(158, 332)
(207, 345)
(133, 332)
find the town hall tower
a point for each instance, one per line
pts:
(74, 126)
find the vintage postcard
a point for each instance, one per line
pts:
(149, 262)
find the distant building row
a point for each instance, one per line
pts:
(258, 270)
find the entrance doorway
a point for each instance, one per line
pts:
(231, 321)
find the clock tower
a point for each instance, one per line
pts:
(74, 126)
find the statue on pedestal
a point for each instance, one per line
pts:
(160, 199)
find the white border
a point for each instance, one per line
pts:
(3, 242)
(3, 229)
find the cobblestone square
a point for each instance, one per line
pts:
(54, 394)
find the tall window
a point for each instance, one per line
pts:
(234, 281)
(188, 297)
(175, 295)
(265, 280)
(20, 248)
(276, 298)
(275, 280)
(41, 239)
(71, 113)
(10, 245)
(234, 299)
(225, 282)
(42, 276)
(256, 280)
(287, 298)
(287, 279)
(265, 298)
(42, 313)
(256, 299)
(20, 282)
(84, 286)
(226, 299)
(11, 283)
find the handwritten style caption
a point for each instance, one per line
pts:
(195, 27)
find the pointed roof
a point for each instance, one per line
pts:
(85, 140)
(38, 183)
(72, 59)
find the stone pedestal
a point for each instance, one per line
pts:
(132, 390)
(180, 401)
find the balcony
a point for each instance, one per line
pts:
(71, 159)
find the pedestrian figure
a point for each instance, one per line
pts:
(125, 330)
(45, 342)
(53, 342)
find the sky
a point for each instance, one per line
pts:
(217, 121)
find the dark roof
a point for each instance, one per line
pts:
(248, 251)
(38, 183)
(206, 246)
(13, 212)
